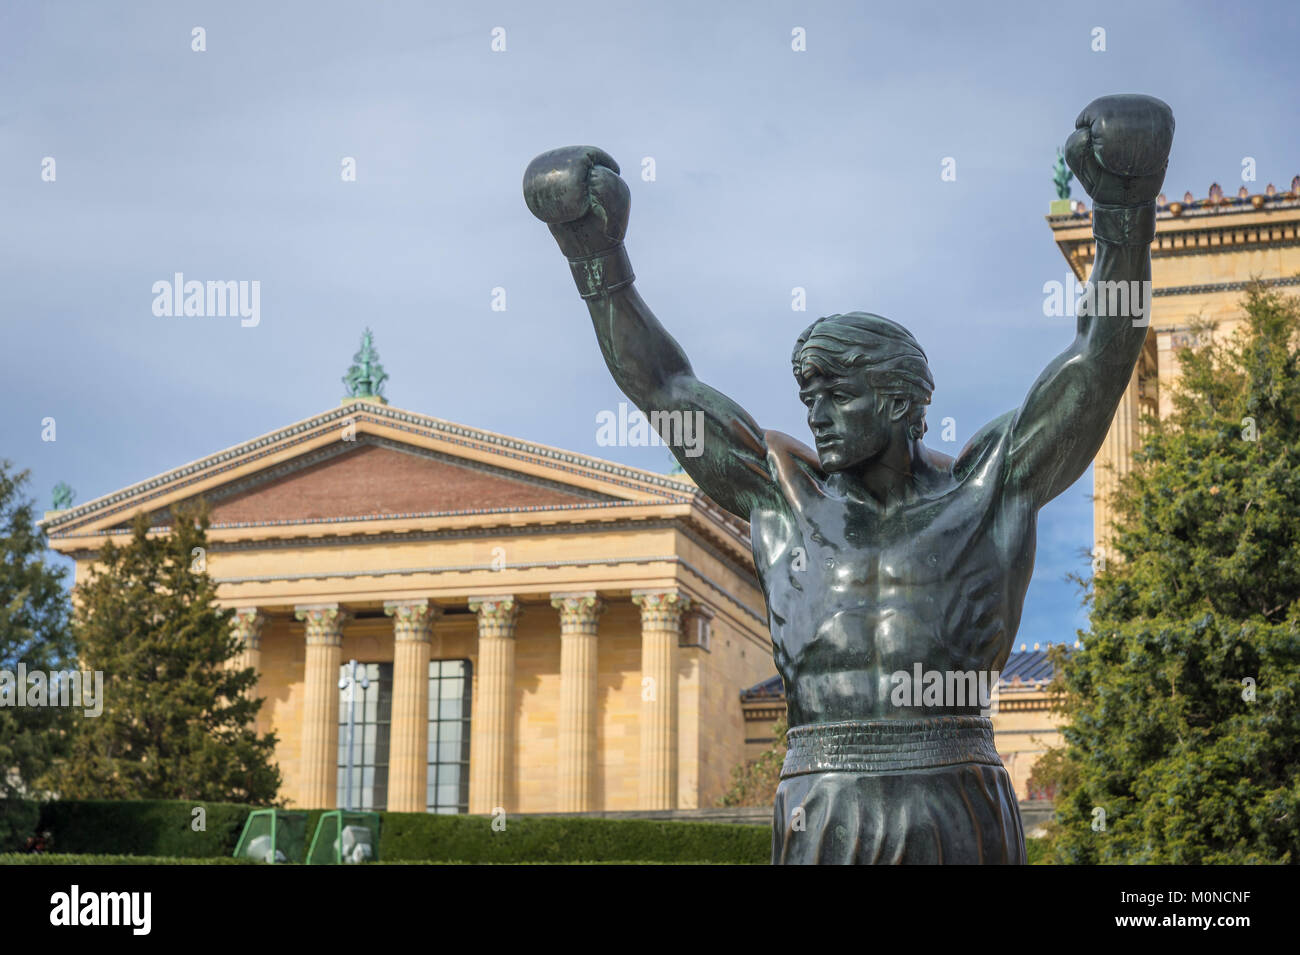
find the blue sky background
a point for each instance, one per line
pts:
(775, 169)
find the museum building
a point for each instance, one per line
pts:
(540, 631)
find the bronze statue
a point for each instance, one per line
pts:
(878, 555)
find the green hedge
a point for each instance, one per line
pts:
(146, 827)
(56, 859)
(18, 818)
(417, 836)
(59, 858)
(162, 828)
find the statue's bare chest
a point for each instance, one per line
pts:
(850, 550)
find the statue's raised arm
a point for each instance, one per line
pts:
(577, 192)
(1118, 151)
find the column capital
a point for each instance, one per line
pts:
(579, 612)
(412, 619)
(246, 623)
(324, 623)
(496, 615)
(661, 609)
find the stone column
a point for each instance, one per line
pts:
(247, 624)
(408, 757)
(576, 773)
(320, 712)
(661, 625)
(492, 732)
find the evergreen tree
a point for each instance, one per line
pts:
(1182, 735)
(177, 720)
(34, 632)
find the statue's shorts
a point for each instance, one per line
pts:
(927, 791)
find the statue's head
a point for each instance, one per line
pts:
(866, 383)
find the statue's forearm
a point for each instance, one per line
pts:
(1112, 329)
(1068, 410)
(641, 355)
(718, 444)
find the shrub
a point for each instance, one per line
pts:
(146, 827)
(162, 828)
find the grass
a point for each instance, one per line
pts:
(1036, 850)
(68, 858)
(56, 858)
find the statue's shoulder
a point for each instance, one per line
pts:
(990, 445)
(794, 466)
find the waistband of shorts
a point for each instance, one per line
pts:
(887, 746)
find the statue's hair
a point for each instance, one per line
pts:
(841, 346)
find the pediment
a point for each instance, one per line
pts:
(364, 462)
(375, 478)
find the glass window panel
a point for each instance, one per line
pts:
(372, 717)
(448, 734)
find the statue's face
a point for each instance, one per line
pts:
(847, 428)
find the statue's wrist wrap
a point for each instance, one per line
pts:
(602, 272)
(1125, 225)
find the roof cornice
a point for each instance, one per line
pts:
(152, 493)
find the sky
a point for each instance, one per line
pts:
(773, 169)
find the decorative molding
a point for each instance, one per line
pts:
(1221, 287)
(744, 570)
(324, 623)
(412, 619)
(523, 565)
(497, 616)
(385, 416)
(579, 613)
(661, 609)
(246, 624)
(697, 628)
(1083, 251)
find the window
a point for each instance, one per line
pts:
(373, 713)
(449, 710)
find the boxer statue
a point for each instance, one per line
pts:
(878, 555)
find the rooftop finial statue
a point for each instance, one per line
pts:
(878, 555)
(1061, 176)
(366, 377)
